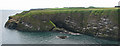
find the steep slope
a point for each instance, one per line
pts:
(98, 22)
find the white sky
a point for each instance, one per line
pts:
(28, 4)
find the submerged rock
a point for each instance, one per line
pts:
(62, 37)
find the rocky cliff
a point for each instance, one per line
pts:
(98, 22)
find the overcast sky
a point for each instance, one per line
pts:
(28, 4)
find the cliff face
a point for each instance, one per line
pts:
(95, 22)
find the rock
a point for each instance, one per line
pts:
(84, 28)
(75, 33)
(103, 19)
(107, 19)
(62, 37)
(115, 27)
(94, 27)
(26, 25)
(99, 23)
(107, 31)
(11, 25)
(44, 21)
(88, 28)
(106, 22)
(38, 28)
(110, 29)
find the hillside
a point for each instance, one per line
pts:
(98, 22)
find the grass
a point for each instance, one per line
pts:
(62, 10)
(52, 23)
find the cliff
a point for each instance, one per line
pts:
(98, 22)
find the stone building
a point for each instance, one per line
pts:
(118, 4)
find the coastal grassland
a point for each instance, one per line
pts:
(82, 14)
(70, 19)
(60, 10)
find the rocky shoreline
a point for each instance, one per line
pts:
(97, 23)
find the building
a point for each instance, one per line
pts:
(39, 9)
(74, 7)
(118, 4)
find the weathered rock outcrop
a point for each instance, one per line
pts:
(100, 22)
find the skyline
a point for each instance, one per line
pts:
(30, 4)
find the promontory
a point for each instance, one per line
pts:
(97, 22)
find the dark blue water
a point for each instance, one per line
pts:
(18, 37)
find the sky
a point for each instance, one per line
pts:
(29, 4)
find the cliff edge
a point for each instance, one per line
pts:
(98, 22)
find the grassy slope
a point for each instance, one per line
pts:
(51, 16)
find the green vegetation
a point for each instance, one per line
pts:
(52, 23)
(70, 19)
